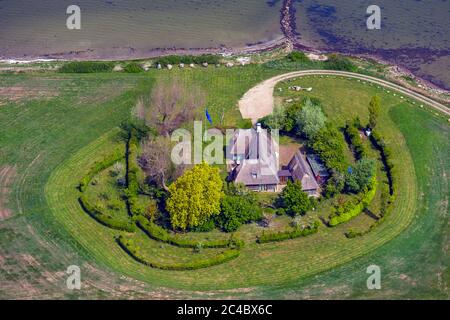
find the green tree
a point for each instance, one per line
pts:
(239, 206)
(360, 176)
(237, 210)
(291, 114)
(276, 120)
(335, 184)
(310, 119)
(195, 197)
(297, 56)
(374, 111)
(337, 62)
(295, 200)
(329, 145)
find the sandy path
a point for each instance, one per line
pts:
(258, 102)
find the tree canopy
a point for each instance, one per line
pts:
(195, 197)
(360, 176)
(310, 119)
(239, 206)
(169, 106)
(295, 200)
(156, 162)
(329, 145)
(276, 120)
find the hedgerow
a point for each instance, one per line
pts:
(386, 208)
(130, 247)
(355, 209)
(174, 60)
(98, 166)
(104, 219)
(354, 234)
(281, 236)
(359, 148)
(386, 157)
(86, 67)
(133, 67)
(160, 234)
(297, 56)
(131, 192)
(338, 62)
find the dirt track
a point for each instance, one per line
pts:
(258, 101)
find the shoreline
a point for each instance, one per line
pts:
(289, 39)
(137, 54)
(252, 49)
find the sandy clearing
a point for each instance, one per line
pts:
(7, 175)
(258, 102)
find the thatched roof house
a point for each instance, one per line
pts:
(253, 159)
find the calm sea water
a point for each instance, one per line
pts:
(414, 33)
(131, 27)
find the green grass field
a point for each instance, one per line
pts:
(52, 141)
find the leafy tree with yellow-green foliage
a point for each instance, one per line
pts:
(195, 196)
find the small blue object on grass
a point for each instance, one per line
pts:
(350, 170)
(208, 116)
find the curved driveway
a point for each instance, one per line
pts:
(258, 101)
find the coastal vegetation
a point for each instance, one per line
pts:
(86, 67)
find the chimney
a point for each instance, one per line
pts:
(258, 127)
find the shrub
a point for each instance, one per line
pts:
(337, 62)
(134, 251)
(359, 148)
(335, 184)
(297, 56)
(294, 200)
(352, 210)
(353, 234)
(108, 221)
(245, 124)
(175, 60)
(131, 192)
(160, 234)
(133, 67)
(237, 210)
(99, 166)
(296, 233)
(206, 226)
(117, 169)
(114, 204)
(86, 67)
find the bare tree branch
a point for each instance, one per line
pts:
(169, 106)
